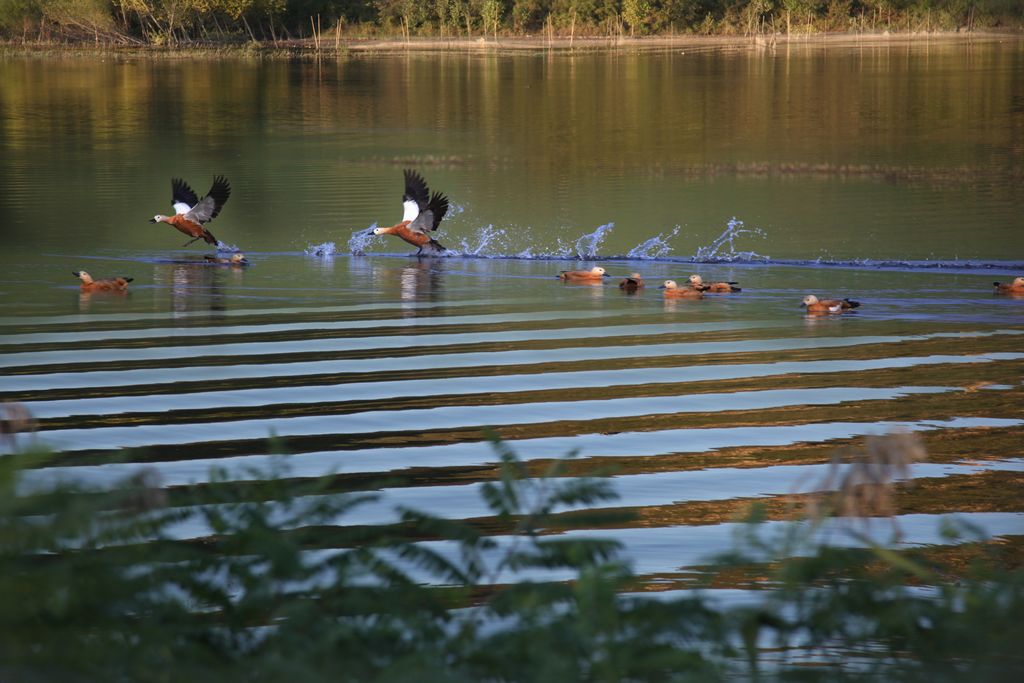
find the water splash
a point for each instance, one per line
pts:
(489, 242)
(586, 246)
(360, 240)
(654, 248)
(325, 250)
(224, 247)
(722, 248)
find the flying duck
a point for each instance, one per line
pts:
(697, 282)
(1015, 287)
(117, 284)
(423, 212)
(235, 260)
(191, 213)
(817, 306)
(674, 291)
(632, 283)
(595, 274)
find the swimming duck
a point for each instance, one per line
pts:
(697, 282)
(674, 291)
(632, 283)
(117, 284)
(595, 274)
(235, 260)
(191, 213)
(1014, 287)
(817, 306)
(422, 214)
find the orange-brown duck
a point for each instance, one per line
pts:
(816, 306)
(191, 214)
(117, 284)
(423, 212)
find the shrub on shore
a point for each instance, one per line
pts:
(186, 22)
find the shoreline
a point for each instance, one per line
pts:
(310, 48)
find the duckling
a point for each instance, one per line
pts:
(697, 282)
(191, 213)
(117, 284)
(817, 306)
(674, 291)
(595, 274)
(631, 284)
(235, 260)
(1014, 287)
(423, 212)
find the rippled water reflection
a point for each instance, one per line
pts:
(891, 184)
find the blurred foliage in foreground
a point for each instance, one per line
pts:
(93, 587)
(179, 22)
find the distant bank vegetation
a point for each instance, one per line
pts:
(185, 22)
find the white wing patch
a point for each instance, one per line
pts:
(835, 309)
(411, 210)
(181, 207)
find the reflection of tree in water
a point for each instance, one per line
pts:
(193, 286)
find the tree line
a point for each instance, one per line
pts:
(184, 22)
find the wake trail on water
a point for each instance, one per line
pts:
(490, 242)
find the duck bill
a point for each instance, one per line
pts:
(152, 220)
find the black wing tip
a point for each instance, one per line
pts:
(128, 279)
(181, 191)
(853, 304)
(736, 289)
(439, 205)
(221, 182)
(415, 188)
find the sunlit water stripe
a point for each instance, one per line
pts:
(336, 344)
(64, 378)
(450, 417)
(169, 333)
(463, 501)
(275, 313)
(661, 550)
(474, 454)
(365, 391)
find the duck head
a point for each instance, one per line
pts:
(809, 300)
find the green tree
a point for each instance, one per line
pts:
(637, 14)
(491, 12)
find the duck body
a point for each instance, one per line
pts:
(595, 274)
(191, 213)
(674, 291)
(413, 237)
(234, 260)
(816, 306)
(697, 282)
(117, 284)
(632, 284)
(422, 213)
(1016, 286)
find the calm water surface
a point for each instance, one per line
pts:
(892, 175)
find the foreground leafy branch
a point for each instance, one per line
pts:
(97, 585)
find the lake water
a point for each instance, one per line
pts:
(890, 174)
